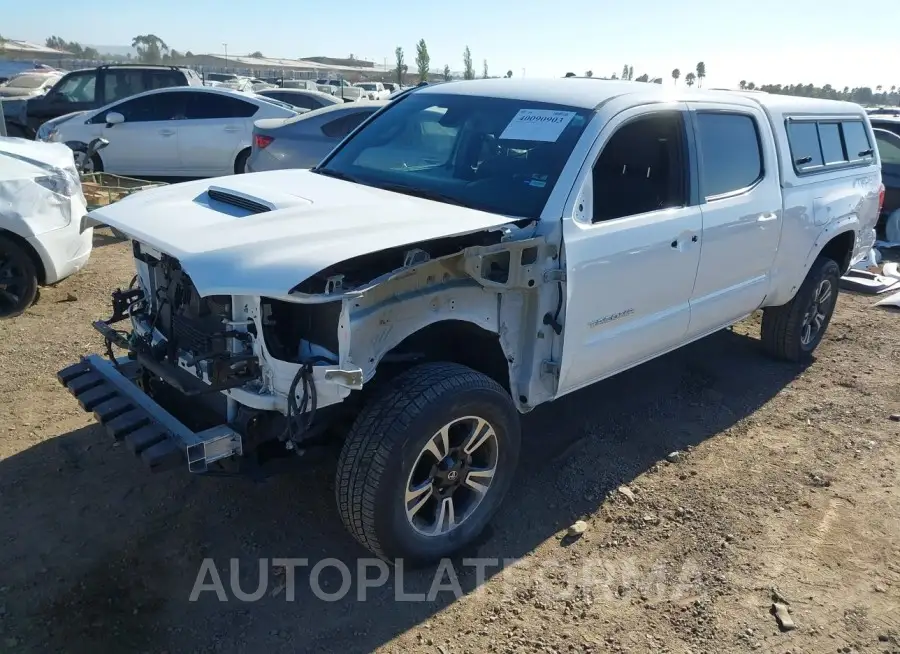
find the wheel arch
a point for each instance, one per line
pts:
(457, 340)
(237, 159)
(30, 251)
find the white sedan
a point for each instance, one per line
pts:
(186, 131)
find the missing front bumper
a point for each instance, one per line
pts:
(130, 415)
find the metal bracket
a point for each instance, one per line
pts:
(550, 368)
(554, 275)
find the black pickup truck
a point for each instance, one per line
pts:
(91, 88)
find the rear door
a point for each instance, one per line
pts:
(742, 213)
(217, 127)
(147, 142)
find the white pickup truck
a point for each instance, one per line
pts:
(472, 250)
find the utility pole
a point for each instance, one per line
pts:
(226, 56)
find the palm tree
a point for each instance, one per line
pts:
(675, 75)
(689, 79)
(701, 73)
(589, 73)
(743, 84)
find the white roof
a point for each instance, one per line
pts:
(588, 93)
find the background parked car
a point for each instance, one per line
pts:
(374, 90)
(304, 84)
(83, 90)
(44, 236)
(303, 141)
(301, 98)
(889, 152)
(342, 89)
(889, 122)
(175, 132)
(28, 85)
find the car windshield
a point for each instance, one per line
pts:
(367, 87)
(494, 154)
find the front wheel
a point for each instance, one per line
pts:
(428, 462)
(793, 331)
(18, 279)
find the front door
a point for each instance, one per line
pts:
(147, 142)
(742, 213)
(631, 248)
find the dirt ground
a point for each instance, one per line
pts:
(784, 477)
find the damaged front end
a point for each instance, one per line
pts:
(212, 379)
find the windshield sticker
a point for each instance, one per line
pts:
(537, 125)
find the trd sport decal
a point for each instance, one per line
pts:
(610, 318)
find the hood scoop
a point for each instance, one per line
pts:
(237, 199)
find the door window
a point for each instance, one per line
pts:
(858, 146)
(730, 152)
(148, 108)
(340, 127)
(163, 79)
(122, 83)
(77, 87)
(642, 168)
(888, 147)
(205, 106)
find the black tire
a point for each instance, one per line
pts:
(385, 442)
(18, 279)
(783, 326)
(240, 163)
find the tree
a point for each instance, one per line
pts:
(150, 48)
(656, 80)
(743, 84)
(689, 79)
(400, 66)
(188, 54)
(256, 54)
(630, 73)
(446, 73)
(643, 78)
(751, 86)
(701, 73)
(423, 60)
(509, 73)
(589, 73)
(625, 72)
(484, 74)
(676, 74)
(468, 69)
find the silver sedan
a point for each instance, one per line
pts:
(303, 141)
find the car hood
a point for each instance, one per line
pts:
(312, 222)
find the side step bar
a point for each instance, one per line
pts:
(152, 433)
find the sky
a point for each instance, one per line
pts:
(763, 41)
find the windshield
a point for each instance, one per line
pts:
(494, 154)
(27, 81)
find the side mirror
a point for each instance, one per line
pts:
(114, 118)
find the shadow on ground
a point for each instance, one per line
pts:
(99, 556)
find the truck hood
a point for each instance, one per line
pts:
(304, 223)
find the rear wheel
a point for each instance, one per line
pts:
(428, 462)
(18, 279)
(794, 330)
(240, 163)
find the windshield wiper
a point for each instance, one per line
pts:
(327, 172)
(421, 193)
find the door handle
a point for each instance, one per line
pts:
(232, 128)
(767, 217)
(167, 132)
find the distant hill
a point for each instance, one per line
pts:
(114, 50)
